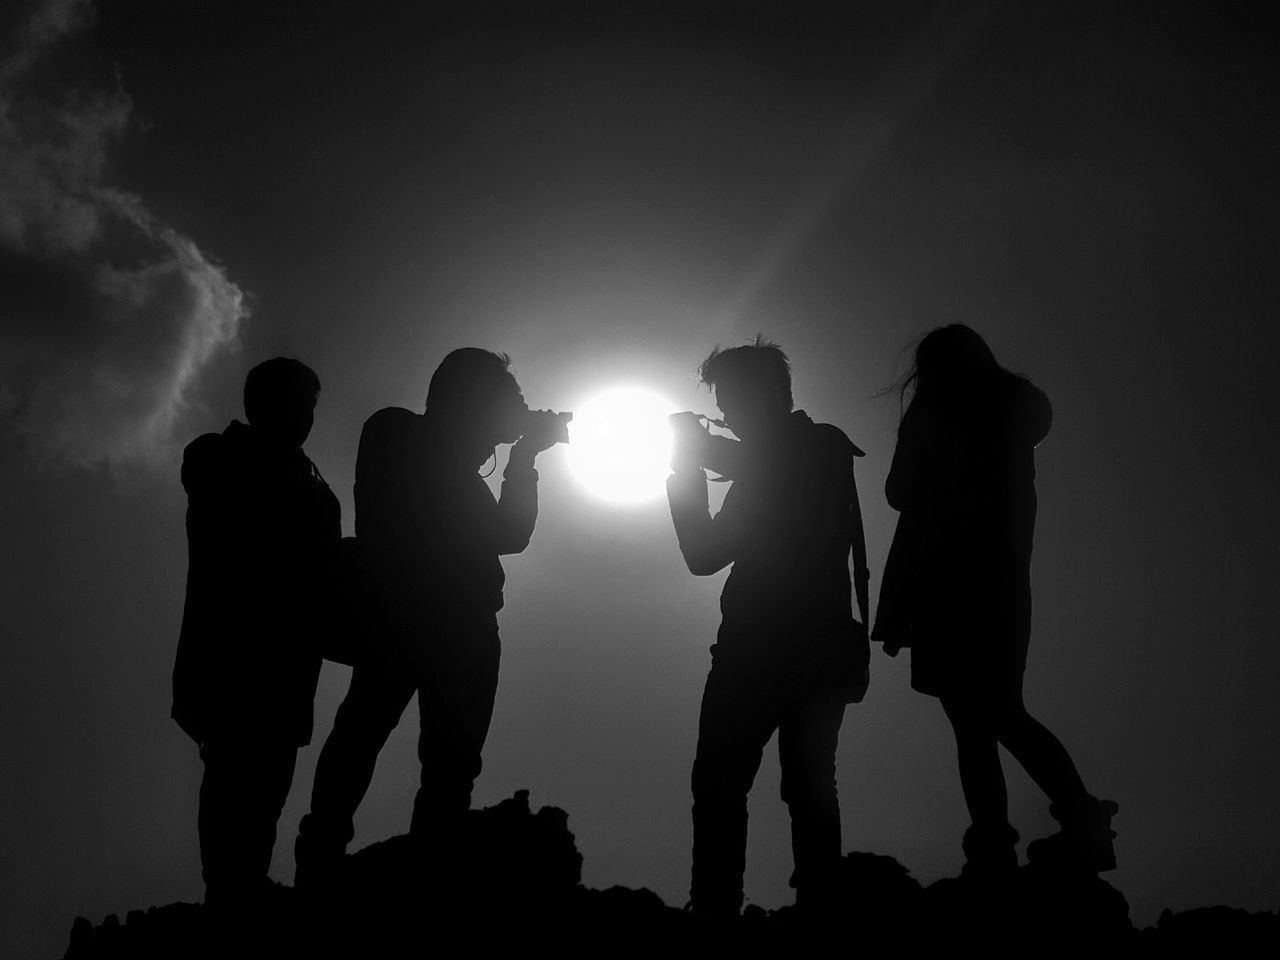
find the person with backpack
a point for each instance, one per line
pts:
(431, 537)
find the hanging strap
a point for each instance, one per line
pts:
(861, 573)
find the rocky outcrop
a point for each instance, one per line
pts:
(509, 880)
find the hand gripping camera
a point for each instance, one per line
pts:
(696, 446)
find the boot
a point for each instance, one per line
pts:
(715, 905)
(1085, 842)
(990, 852)
(318, 864)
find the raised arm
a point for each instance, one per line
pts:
(703, 539)
(518, 501)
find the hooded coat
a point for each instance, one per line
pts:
(263, 529)
(957, 586)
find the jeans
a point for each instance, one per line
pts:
(456, 680)
(743, 703)
(246, 781)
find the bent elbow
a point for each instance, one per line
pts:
(514, 545)
(705, 565)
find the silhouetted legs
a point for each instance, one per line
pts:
(807, 739)
(742, 706)
(370, 711)
(456, 682)
(246, 781)
(979, 728)
(981, 725)
(455, 702)
(1042, 755)
(978, 753)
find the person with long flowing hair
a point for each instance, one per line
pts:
(957, 591)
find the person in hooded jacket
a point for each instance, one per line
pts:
(262, 529)
(789, 654)
(957, 591)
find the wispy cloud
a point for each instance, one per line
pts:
(107, 316)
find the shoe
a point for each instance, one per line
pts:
(1086, 840)
(316, 866)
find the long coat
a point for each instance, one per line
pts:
(957, 585)
(262, 532)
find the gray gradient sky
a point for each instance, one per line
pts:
(606, 198)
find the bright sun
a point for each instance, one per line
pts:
(620, 444)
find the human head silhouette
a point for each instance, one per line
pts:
(474, 399)
(951, 368)
(280, 401)
(752, 385)
(952, 356)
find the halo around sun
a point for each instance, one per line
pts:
(620, 444)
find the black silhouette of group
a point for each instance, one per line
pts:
(412, 601)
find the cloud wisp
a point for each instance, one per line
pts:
(107, 316)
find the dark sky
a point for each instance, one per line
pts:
(607, 197)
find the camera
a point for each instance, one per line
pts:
(696, 446)
(550, 424)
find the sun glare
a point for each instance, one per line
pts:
(620, 445)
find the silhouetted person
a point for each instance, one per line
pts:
(789, 654)
(957, 590)
(431, 534)
(262, 527)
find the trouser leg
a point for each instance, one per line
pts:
(807, 741)
(978, 756)
(1041, 753)
(990, 842)
(369, 712)
(455, 706)
(1086, 839)
(737, 719)
(246, 781)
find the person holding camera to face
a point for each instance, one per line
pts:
(430, 536)
(789, 654)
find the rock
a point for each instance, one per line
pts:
(508, 880)
(1216, 928)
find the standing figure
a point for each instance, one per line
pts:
(263, 529)
(789, 654)
(430, 536)
(957, 591)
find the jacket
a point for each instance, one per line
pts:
(787, 526)
(262, 533)
(957, 584)
(430, 531)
